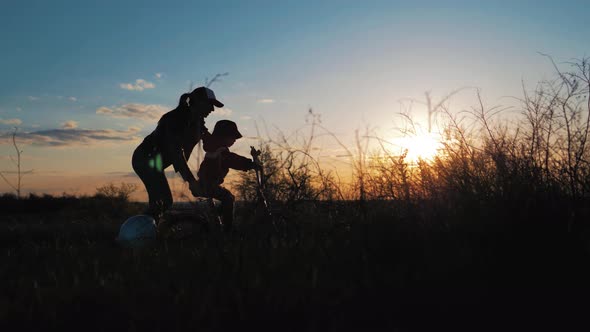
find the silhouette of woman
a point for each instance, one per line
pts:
(171, 143)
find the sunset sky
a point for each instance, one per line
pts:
(85, 81)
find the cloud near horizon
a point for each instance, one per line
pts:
(73, 137)
(139, 85)
(11, 122)
(71, 124)
(134, 111)
(265, 101)
(222, 112)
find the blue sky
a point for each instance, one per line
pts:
(352, 61)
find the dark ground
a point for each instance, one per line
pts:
(331, 267)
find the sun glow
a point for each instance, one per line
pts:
(421, 146)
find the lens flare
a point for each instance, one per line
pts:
(156, 162)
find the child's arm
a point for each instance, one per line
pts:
(238, 162)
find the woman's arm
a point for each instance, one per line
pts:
(173, 145)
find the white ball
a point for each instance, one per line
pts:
(137, 231)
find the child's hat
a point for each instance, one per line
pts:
(226, 128)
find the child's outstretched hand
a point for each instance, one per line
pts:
(255, 154)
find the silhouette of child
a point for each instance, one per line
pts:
(216, 164)
(171, 143)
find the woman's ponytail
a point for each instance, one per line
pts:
(182, 103)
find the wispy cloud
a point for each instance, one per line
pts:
(159, 75)
(11, 122)
(139, 85)
(73, 137)
(134, 111)
(72, 99)
(71, 124)
(222, 112)
(18, 109)
(33, 98)
(265, 101)
(245, 117)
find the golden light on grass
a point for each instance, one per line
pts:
(421, 146)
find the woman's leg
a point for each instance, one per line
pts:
(160, 197)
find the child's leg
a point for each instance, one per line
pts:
(227, 206)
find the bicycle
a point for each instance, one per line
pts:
(186, 219)
(280, 225)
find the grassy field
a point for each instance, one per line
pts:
(396, 268)
(491, 234)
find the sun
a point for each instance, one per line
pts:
(422, 146)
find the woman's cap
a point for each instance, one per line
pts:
(226, 128)
(206, 94)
